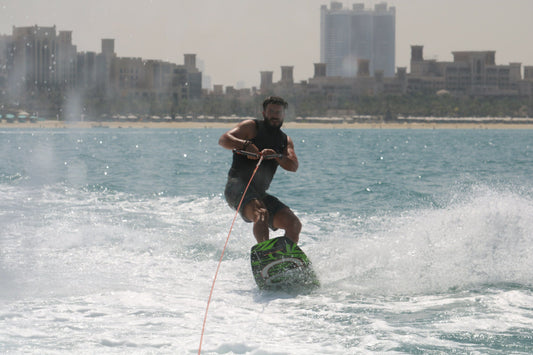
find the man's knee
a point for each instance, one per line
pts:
(297, 225)
(288, 221)
(294, 226)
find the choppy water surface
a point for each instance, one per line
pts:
(110, 239)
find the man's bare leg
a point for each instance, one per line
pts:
(256, 212)
(287, 220)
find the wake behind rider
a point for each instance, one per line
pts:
(263, 137)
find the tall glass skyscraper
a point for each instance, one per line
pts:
(350, 35)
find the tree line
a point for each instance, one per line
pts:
(90, 104)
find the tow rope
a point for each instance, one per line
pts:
(229, 233)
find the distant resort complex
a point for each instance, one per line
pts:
(43, 76)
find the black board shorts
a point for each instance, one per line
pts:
(233, 194)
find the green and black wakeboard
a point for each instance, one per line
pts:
(279, 263)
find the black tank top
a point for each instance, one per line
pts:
(242, 167)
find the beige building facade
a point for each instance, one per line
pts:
(37, 61)
(473, 73)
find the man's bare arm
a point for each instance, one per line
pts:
(289, 161)
(238, 137)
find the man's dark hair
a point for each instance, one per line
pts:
(276, 100)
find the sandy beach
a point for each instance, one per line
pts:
(176, 125)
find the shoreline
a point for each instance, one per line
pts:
(288, 125)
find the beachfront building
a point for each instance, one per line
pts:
(4, 43)
(526, 85)
(138, 78)
(39, 57)
(348, 36)
(339, 88)
(40, 65)
(471, 72)
(335, 88)
(86, 70)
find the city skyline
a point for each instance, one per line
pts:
(236, 39)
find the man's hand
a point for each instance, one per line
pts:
(252, 149)
(260, 215)
(267, 152)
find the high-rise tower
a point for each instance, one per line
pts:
(349, 35)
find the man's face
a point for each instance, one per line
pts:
(274, 115)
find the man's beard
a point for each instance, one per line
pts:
(270, 126)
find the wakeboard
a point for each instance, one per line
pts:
(279, 263)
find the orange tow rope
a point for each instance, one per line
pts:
(223, 250)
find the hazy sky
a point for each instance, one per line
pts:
(236, 39)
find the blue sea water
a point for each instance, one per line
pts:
(110, 239)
